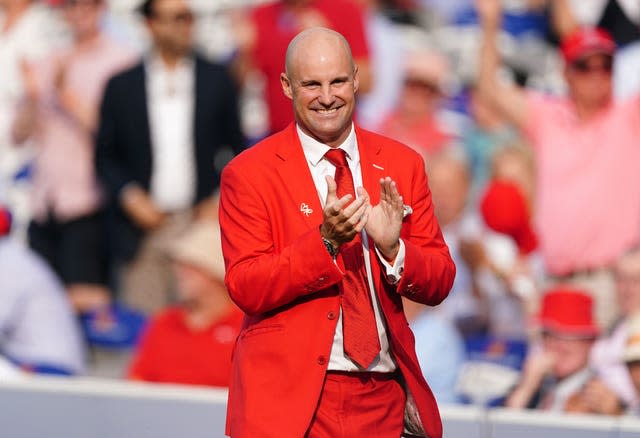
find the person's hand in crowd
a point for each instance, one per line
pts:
(343, 218)
(489, 13)
(243, 30)
(207, 209)
(139, 206)
(385, 220)
(473, 254)
(536, 367)
(597, 398)
(26, 118)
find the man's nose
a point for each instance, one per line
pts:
(326, 97)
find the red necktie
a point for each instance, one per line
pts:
(360, 333)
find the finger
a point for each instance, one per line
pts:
(349, 211)
(384, 189)
(362, 192)
(336, 208)
(355, 218)
(363, 220)
(396, 199)
(332, 189)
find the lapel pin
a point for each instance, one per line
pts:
(304, 208)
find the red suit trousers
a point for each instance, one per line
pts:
(359, 404)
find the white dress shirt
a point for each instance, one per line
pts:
(320, 167)
(171, 107)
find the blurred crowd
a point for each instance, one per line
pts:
(117, 117)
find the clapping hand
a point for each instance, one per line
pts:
(344, 217)
(385, 220)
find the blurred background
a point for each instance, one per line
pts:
(117, 117)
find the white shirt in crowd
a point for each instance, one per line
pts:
(37, 324)
(171, 107)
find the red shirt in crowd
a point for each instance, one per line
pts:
(171, 352)
(275, 28)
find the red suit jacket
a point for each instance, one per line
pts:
(280, 274)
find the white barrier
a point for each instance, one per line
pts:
(93, 408)
(38, 407)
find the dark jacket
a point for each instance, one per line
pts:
(124, 149)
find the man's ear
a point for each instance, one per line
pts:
(286, 85)
(356, 79)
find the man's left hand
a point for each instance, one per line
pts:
(385, 220)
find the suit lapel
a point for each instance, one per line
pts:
(294, 171)
(371, 166)
(141, 112)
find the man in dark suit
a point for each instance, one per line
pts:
(168, 126)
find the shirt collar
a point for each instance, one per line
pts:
(314, 150)
(154, 64)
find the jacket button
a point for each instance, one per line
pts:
(321, 360)
(331, 315)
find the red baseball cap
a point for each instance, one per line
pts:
(586, 41)
(569, 312)
(504, 209)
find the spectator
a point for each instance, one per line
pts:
(578, 171)
(168, 126)
(440, 350)
(414, 121)
(558, 368)
(450, 181)
(28, 32)
(38, 331)
(612, 389)
(192, 342)
(512, 298)
(61, 114)
(514, 162)
(268, 31)
(491, 282)
(488, 133)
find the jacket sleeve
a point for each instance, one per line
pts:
(232, 132)
(260, 276)
(429, 270)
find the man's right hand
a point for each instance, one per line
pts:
(140, 208)
(343, 219)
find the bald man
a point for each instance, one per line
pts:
(325, 228)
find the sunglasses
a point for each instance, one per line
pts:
(185, 17)
(584, 66)
(74, 3)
